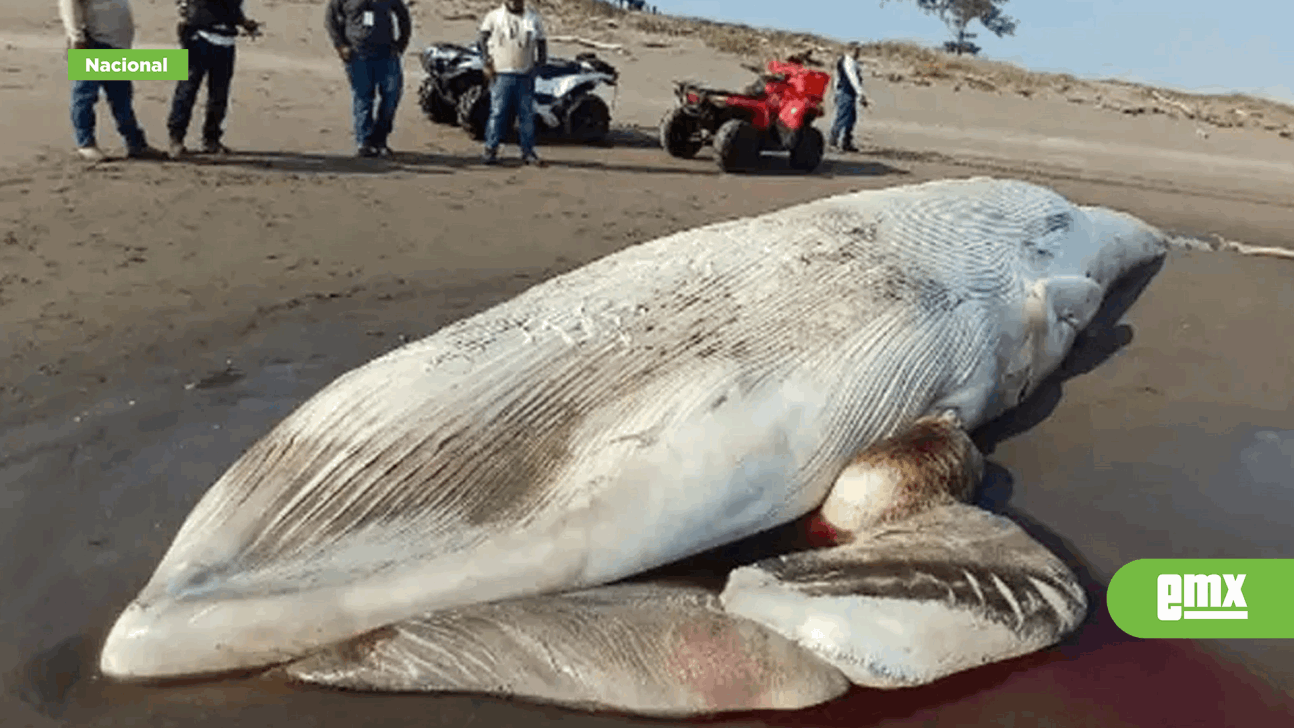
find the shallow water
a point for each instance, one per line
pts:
(94, 496)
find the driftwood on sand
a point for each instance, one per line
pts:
(1219, 243)
(599, 45)
(1268, 251)
(1188, 111)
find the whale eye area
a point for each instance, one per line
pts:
(1058, 222)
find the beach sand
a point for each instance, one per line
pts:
(157, 318)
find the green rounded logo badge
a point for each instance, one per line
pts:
(1204, 598)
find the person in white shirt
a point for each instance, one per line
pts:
(849, 94)
(101, 24)
(513, 43)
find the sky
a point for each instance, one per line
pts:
(1188, 45)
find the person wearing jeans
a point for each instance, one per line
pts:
(100, 25)
(208, 30)
(513, 43)
(512, 95)
(364, 32)
(849, 94)
(383, 78)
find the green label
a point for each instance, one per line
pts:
(114, 64)
(1204, 598)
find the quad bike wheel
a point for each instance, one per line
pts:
(588, 120)
(679, 134)
(474, 111)
(434, 105)
(806, 155)
(737, 145)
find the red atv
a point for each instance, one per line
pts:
(779, 117)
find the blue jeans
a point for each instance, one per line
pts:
(382, 76)
(842, 129)
(85, 94)
(216, 63)
(512, 94)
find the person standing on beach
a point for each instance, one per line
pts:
(366, 37)
(849, 94)
(513, 43)
(208, 30)
(103, 24)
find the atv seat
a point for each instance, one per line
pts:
(455, 47)
(704, 91)
(555, 67)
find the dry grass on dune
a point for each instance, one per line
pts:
(912, 63)
(899, 62)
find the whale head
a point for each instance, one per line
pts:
(1091, 251)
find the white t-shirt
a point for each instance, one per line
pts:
(852, 73)
(514, 39)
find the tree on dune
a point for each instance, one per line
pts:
(959, 14)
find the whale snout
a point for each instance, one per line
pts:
(1124, 244)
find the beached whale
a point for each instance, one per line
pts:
(675, 396)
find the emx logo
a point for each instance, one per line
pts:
(1204, 598)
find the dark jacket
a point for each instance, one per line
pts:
(345, 23)
(219, 16)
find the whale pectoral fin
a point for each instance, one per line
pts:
(653, 649)
(913, 601)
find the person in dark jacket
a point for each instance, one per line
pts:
(207, 30)
(367, 39)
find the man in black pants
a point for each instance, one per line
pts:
(207, 30)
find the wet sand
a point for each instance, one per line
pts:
(158, 318)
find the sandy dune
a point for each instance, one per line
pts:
(156, 318)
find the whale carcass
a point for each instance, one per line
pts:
(675, 396)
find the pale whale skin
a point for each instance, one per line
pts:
(661, 649)
(672, 397)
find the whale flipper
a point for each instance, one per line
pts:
(912, 601)
(925, 585)
(653, 649)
